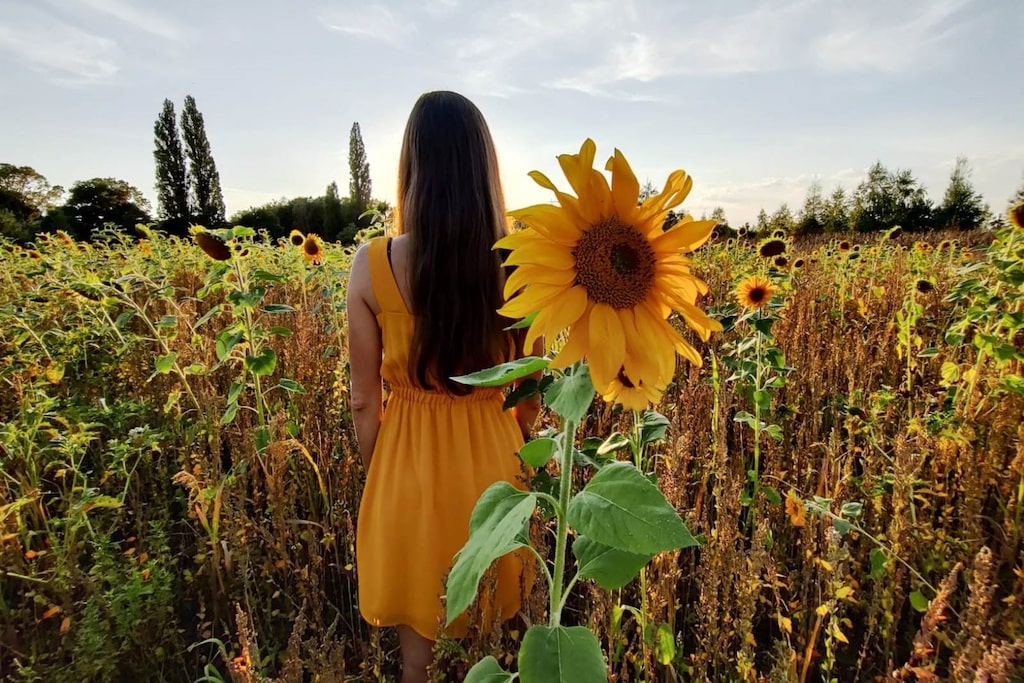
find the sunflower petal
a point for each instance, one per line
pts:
(524, 276)
(683, 236)
(625, 187)
(676, 188)
(533, 298)
(519, 238)
(551, 222)
(547, 255)
(606, 360)
(558, 315)
(576, 344)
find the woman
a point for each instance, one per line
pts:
(422, 309)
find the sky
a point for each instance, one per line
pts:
(754, 98)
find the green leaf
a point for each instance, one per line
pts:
(571, 395)
(536, 453)
(280, 331)
(851, 509)
(487, 670)
(879, 560)
(164, 364)
(841, 525)
(918, 601)
(613, 443)
(1014, 383)
(226, 341)
(774, 431)
(621, 508)
(524, 323)
(500, 375)
(611, 568)
(172, 400)
(240, 231)
(494, 529)
(235, 391)
(950, 373)
(229, 414)
(262, 364)
(246, 300)
(655, 426)
(262, 438)
(560, 654)
(278, 308)
(167, 321)
(664, 645)
(773, 496)
(763, 400)
(260, 275)
(290, 385)
(527, 388)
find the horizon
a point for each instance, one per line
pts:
(755, 103)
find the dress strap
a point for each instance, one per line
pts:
(382, 277)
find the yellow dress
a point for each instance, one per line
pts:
(435, 454)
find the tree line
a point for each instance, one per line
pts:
(188, 192)
(883, 200)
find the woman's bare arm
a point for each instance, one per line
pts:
(364, 351)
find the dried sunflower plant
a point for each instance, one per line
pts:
(601, 272)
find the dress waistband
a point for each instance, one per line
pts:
(416, 395)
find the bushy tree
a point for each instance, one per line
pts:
(94, 203)
(718, 215)
(962, 206)
(171, 173)
(762, 221)
(207, 200)
(888, 199)
(781, 219)
(334, 218)
(25, 196)
(359, 188)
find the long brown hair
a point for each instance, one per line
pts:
(450, 203)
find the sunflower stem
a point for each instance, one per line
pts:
(562, 533)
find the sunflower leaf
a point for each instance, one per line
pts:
(524, 323)
(560, 654)
(502, 374)
(495, 529)
(536, 453)
(571, 395)
(611, 568)
(262, 364)
(487, 670)
(622, 509)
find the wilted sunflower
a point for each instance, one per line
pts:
(312, 250)
(296, 238)
(600, 265)
(772, 247)
(799, 263)
(781, 261)
(1016, 215)
(755, 292)
(844, 245)
(893, 232)
(214, 248)
(924, 286)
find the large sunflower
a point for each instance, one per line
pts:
(601, 265)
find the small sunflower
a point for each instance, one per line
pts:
(214, 248)
(799, 263)
(1016, 215)
(755, 292)
(893, 232)
(853, 256)
(779, 234)
(844, 245)
(296, 238)
(631, 396)
(601, 265)
(312, 250)
(781, 261)
(772, 247)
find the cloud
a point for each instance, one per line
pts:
(70, 56)
(372, 21)
(138, 17)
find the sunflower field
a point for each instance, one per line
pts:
(179, 481)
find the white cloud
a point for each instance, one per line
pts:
(373, 21)
(68, 55)
(138, 17)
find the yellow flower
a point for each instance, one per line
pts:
(632, 396)
(296, 238)
(601, 265)
(755, 292)
(312, 250)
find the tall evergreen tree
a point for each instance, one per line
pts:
(836, 212)
(962, 206)
(334, 221)
(887, 199)
(782, 219)
(359, 185)
(811, 216)
(171, 187)
(762, 221)
(204, 181)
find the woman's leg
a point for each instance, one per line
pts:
(417, 654)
